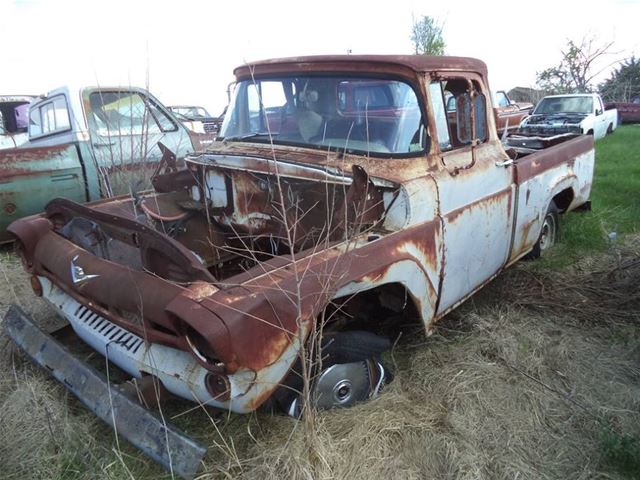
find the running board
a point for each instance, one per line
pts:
(161, 441)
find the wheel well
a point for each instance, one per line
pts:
(386, 310)
(563, 199)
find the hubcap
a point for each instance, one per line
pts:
(342, 385)
(342, 392)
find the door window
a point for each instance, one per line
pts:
(437, 99)
(49, 117)
(454, 125)
(502, 100)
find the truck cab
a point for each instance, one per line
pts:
(85, 144)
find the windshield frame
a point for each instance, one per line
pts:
(339, 76)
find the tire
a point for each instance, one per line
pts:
(610, 129)
(549, 232)
(351, 373)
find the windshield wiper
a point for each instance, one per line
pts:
(239, 138)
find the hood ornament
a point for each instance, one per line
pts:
(77, 273)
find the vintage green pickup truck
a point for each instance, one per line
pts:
(86, 144)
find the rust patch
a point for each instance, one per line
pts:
(489, 202)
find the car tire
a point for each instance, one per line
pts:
(610, 129)
(549, 232)
(351, 372)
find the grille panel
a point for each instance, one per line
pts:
(111, 332)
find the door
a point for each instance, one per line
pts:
(125, 127)
(476, 188)
(32, 176)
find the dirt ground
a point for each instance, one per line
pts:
(536, 377)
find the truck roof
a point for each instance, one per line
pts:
(16, 98)
(417, 63)
(573, 95)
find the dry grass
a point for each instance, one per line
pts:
(538, 377)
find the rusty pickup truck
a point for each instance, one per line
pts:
(509, 114)
(340, 198)
(628, 112)
(84, 144)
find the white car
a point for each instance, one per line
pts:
(582, 113)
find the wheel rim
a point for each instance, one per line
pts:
(342, 385)
(548, 234)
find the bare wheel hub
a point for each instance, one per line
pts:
(548, 234)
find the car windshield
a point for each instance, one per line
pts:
(370, 115)
(576, 104)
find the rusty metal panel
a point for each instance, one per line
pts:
(159, 440)
(362, 63)
(476, 205)
(543, 175)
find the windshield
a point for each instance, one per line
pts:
(368, 115)
(191, 111)
(565, 105)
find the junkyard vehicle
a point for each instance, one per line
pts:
(14, 120)
(86, 144)
(195, 113)
(509, 114)
(341, 198)
(199, 137)
(628, 112)
(577, 113)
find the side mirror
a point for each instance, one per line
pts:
(598, 111)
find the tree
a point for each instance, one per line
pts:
(577, 68)
(624, 83)
(426, 35)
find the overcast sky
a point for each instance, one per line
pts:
(185, 50)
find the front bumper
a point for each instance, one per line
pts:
(159, 440)
(178, 371)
